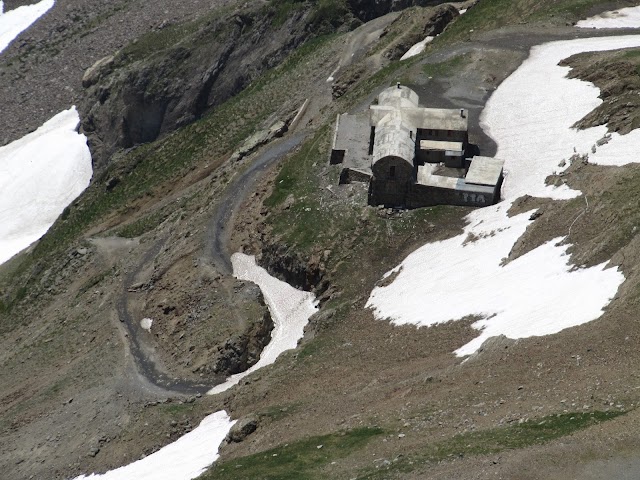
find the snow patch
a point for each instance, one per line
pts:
(290, 310)
(623, 18)
(417, 49)
(146, 323)
(14, 22)
(183, 459)
(530, 116)
(40, 175)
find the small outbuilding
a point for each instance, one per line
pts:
(414, 156)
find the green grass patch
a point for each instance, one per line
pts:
(174, 35)
(311, 348)
(496, 440)
(633, 54)
(446, 68)
(304, 219)
(278, 412)
(143, 225)
(177, 409)
(295, 461)
(521, 435)
(573, 9)
(328, 15)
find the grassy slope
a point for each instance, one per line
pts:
(491, 14)
(307, 458)
(150, 169)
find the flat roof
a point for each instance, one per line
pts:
(484, 171)
(455, 119)
(441, 145)
(352, 136)
(426, 176)
(426, 118)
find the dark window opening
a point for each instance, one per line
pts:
(392, 172)
(448, 133)
(372, 138)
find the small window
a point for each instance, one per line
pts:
(392, 172)
(448, 133)
(372, 140)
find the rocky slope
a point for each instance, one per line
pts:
(382, 401)
(171, 77)
(617, 75)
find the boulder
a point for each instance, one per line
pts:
(242, 429)
(97, 71)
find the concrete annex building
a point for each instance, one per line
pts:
(413, 156)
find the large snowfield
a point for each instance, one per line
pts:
(43, 172)
(290, 310)
(40, 175)
(530, 117)
(186, 458)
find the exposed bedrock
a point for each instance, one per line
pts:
(304, 273)
(366, 10)
(241, 351)
(434, 20)
(147, 90)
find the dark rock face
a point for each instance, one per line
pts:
(174, 75)
(146, 92)
(242, 351)
(366, 10)
(306, 274)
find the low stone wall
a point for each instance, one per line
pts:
(349, 175)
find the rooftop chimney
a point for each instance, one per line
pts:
(398, 84)
(462, 112)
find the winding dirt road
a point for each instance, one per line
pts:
(216, 251)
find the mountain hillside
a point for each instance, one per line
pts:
(210, 126)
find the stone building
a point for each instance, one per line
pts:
(413, 156)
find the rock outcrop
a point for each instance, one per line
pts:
(366, 10)
(242, 429)
(242, 350)
(174, 75)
